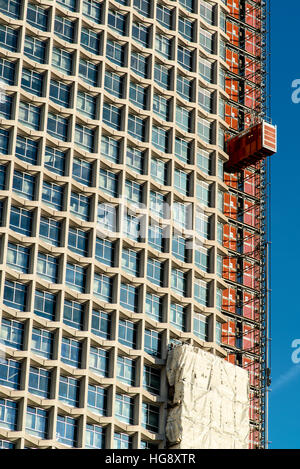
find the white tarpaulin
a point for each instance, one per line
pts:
(211, 398)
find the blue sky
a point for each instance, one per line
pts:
(284, 408)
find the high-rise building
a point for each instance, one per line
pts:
(120, 235)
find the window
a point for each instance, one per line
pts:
(78, 241)
(159, 170)
(18, 257)
(206, 70)
(73, 314)
(26, 149)
(42, 342)
(126, 370)
(161, 107)
(86, 104)
(206, 11)
(178, 282)
(6, 445)
(32, 82)
(189, 5)
(150, 417)
(45, 305)
(115, 52)
(218, 332)
(4, 142)
(50, 231)
(97, 400)
(90, 40)
(94, 437)
(7, 71)
(24, 185)
(178, 316)
(58, 126)
(133, 193)
(201, 326)
(129, 297)
(205, 99)
(105, 251)
(62, 60)
(132, 227)
(35, 49)
(122, 441)
(151, 379)
(47, 267)
(85, 137)
(186, 28)
(60, 93)
(204, 130)
(114, 83)
(155, 272)
(103, 287)
(203, 192)
(80, 206)
(15, 295)
(183, 150)
(107, 217)
(54, 160)
(82, 171)
(185, 57)
(139, 64)
(12, 333)
(184, 118)
(162, 75)
(204, 161)
(88, 71)
(76, 277)
(135, 159)
(68, 4)
(112, 116)
(11, 8)
(138, 95)
(206, 40)
(64, 28)
(66, 430)
(137, 127)
(152, 343)
(164, 16)
(153, 306)
(52, 195)
(219, 297)
(124, 408)
(110, 148)
(99, 361)
(39, 382)
(9, 38)
(201, 292)
(128, 333)
(181, 181)
(179, 247)
(142, 6)
(101, 324)
(141, 33)
(160, 138)
(163, 45)
(130, 261)
(92, 10)
(37, 422)
(10, 373)
(184, 87)
(30, 115)
(8, 414)
(117, 22)
(37, 16)
(202, 258)
(69, 391)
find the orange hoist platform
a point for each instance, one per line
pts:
(251, 146)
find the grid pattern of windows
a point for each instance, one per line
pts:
(95, 285)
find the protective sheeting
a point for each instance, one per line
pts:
(211, 401)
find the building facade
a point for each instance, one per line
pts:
(118, 232)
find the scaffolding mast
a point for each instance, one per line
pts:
(246, 270)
